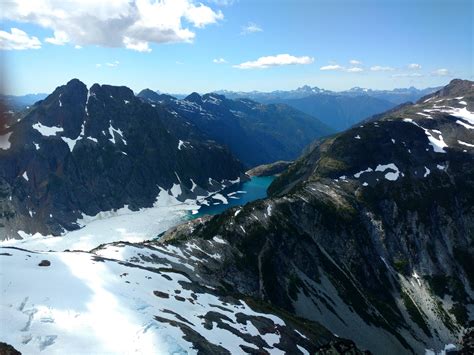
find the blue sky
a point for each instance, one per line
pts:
(178, 52)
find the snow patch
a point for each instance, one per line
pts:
(392, 176)
(47, 131)
(5, 143)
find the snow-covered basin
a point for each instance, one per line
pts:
(75, 303)
(112, 226)
(145, 224)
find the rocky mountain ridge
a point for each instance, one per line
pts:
(256, 133)
(370, 233)
(81, 151)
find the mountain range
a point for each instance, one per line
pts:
(256, 133)
(83, 151)
(338, 110)
(369, 233)
(364, 242)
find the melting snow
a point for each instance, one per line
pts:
(47, 131)
(220, 197)
(81, 305)
(118, 131)
(357, 175)
(392, 176)
(466, 144)
(5, 141)
(427, 172)
(70, 142)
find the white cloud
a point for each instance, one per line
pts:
(337, 67)
(136, 45)
(277, 60)
(17, 39)
(219, 61)
(407, 75)
(222, 2)
(60, 38)
(354, 70)
(414, 66)
(380, 68)
(113, 64)
(250, 28)
(355, 62)
(332, 67)
(132, 24)
(441, 72)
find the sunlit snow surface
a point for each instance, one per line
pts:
(82, 303)
(107, 227)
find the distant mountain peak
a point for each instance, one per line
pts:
(194, 97)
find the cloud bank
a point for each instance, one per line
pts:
(132, 24)
(17, 39)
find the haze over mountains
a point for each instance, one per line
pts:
(367, 235)
(338, 110)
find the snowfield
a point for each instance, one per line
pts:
(112, 226)
(82, 303)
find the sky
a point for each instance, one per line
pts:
(180, 46)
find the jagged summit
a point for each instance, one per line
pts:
(86, 151)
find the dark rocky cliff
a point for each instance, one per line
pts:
(370, 233)
(86, 150)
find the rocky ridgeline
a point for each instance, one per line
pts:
(369, 233)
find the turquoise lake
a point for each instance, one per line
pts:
(254, 189)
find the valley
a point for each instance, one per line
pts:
(230, 177)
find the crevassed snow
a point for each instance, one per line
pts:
(5, 141)
(392, 176)
(47, 131)
(80, 304)
(111, 226)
